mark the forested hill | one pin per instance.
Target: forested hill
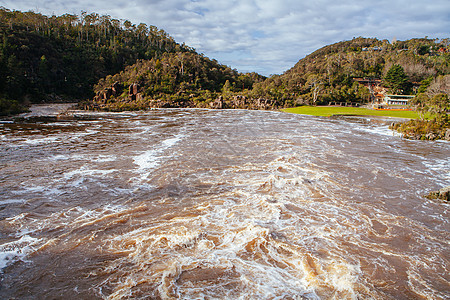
(61, 57)
(327, 75)
(176, 80)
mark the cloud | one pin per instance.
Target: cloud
(264, 35)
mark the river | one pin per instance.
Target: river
(220, 204)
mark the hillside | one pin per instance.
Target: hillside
(327, 75)
(60, 58)
(174, 80)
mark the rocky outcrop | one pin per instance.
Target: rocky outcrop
(431, 136)
(423, 130)
(264, 104)
(133, 92)
(442, 194)
(104, 95)
(447, 134)
(239, 102)
(219, 103)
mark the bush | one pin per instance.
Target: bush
(10, 107)
(423, 129)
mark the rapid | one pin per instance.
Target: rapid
(220, 204)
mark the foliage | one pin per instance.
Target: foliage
(177, 79)
(61, 57)
(424, 84)
(337, 66)
(438, 106)
(397, 80)
(439, 85)
(10, 107)
(435, 108)
(424, 129)
(420, 104)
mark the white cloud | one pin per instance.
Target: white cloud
(264, 35)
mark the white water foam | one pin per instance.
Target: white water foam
(152, 158)
(380, 130)
(17, 250)
(11, 201)
(46, 140)
(81, 174)
(440, 166)
(89, 158)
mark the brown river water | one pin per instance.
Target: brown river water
(220, 204)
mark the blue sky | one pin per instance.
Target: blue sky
(265, 36)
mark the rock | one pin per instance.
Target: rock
(447, 134)
(133, 89)
(442, 194)
(431, 136)
(218, 103)
(115, 88)
(239, 101)
(107, 93)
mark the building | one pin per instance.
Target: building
(397, 99)
(394, 102)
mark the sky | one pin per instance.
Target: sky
(265, 36)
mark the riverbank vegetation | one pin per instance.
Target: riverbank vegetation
(330, 74)
(433, 122)
(179, 79)
(61, 58)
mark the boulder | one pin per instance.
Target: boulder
(442, 194)
(447, 134)
(239, 101)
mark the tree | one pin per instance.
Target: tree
(438, 107)
(423, 49)
(315, 82)
(226, 89)
(397, 80)
(420, 103)
(424, 84)
(440, 85)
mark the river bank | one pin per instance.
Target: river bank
(327, 111)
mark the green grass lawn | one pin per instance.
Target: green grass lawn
(326, 111)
